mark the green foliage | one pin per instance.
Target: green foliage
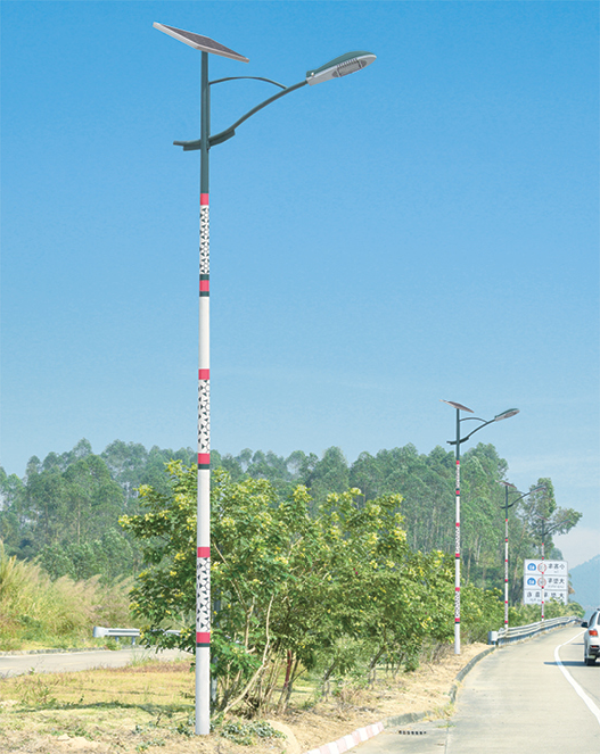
(111, 556)
(523, 615)
(35, 609)
(296, 585)
(64, 507)
(301, 585)
(296, 523)
(481, 611)
(246, 734)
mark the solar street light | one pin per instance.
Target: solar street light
(336, 68)
(549, 525)
(508, 487)
(459, 407)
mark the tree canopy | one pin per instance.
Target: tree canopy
(65, 509)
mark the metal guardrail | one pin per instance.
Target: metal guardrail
(122, 633)
(116, 633)
(506, 636)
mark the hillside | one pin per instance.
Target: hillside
(585, 579)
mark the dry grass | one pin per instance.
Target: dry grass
(150, 706)
(34, 610)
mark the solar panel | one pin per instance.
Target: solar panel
(457, 405)
(198, 42)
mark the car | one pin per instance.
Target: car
(591, 638)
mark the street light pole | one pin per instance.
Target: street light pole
(508, 486)
(337, 68)
(203, 601)
(459, 407)
(546, 530)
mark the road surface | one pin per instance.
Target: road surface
(516, 700)
(71, 661)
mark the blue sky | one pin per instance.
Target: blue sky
(425, 229)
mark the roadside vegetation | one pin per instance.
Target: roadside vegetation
(299, 586)
(64, 512)
(151, 704)
(37, 611)
(318, 566)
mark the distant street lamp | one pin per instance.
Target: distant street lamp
(341, 66)
(546, 530)
(459, 407)
(507, 487)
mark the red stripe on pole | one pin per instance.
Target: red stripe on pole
(204, 458)
(204, 199)
(203, 637)
(457, 589)
(457, 620)
(204, 374)
(204, 552)
(204, 285)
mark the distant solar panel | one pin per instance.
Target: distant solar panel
(457, 405)
(199, 42)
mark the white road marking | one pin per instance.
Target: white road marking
(587, 701)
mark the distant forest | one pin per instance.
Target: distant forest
(64, 513)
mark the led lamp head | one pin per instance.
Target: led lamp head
(506, 414)
(342, 66)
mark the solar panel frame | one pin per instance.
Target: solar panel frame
(199, 42)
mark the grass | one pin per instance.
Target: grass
(36, 612)
(131, 708)
(149, 706)
(145, 684)
(146, 706)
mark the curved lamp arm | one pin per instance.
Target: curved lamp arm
(504, 415)
(553, 527)
(253, 78)
(342, 66)
(525, 494)
(229, 132)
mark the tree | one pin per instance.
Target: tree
(292, 581)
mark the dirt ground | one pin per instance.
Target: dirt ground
(150, 710)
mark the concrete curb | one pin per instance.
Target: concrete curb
(349, 741)
(23, 653)
(468, 667)
(363, 734)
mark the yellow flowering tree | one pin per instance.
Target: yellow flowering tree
(295, 584)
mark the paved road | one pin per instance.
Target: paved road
(515, 701)
(71, 661)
